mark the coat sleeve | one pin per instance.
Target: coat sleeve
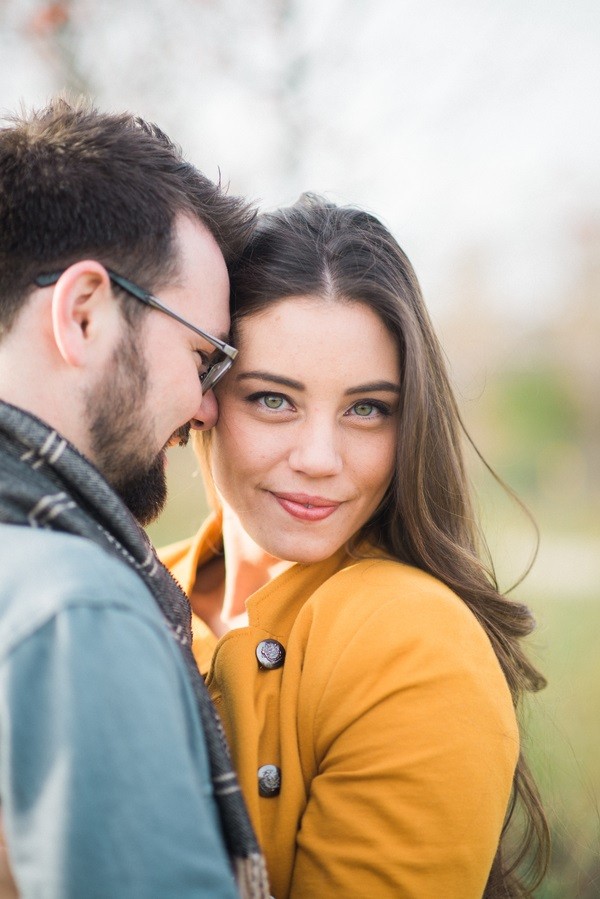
(415, 744)
(105, 788)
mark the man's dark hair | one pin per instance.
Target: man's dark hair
(77, 183)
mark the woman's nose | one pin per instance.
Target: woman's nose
(207, 413)
(315, 450)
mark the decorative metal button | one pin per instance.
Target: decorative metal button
(270, 654)
(269, 781)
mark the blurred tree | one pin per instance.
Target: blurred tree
(536, 422)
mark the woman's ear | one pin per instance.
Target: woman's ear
(79, 296)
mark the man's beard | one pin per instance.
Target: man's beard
(145, 492)
(122, 436)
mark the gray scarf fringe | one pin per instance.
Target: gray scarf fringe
(46, 483)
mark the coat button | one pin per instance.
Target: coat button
(270, 654)
(269, 780)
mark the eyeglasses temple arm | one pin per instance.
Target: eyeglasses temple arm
(152, 301)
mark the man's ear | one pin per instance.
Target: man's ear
(79, 296)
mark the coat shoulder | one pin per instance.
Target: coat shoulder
(391, 593)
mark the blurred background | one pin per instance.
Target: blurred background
(473, 129)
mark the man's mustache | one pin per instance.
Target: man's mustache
(181, 436)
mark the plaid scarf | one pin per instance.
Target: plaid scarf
(46, 483)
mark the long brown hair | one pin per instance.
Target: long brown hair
(426, 518)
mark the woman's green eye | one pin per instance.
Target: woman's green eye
(363, 409)
(273, 402)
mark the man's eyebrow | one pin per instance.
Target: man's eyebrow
(269, 376)
(220, 335)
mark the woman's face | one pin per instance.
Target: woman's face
(304, 449)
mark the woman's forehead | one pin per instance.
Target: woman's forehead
(312, 334)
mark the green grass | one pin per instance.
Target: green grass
(563, 741)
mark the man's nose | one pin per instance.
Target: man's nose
(207, 413)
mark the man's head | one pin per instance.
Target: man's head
(85, 194)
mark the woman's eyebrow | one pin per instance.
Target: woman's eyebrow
(373, 387)
(269, 376)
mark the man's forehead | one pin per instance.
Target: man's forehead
(202, 272)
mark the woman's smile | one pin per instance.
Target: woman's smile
(306, 508)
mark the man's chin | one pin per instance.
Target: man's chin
(146, 494)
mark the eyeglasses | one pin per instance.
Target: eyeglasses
(225, 354)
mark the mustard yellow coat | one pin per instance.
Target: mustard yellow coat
(390, 723)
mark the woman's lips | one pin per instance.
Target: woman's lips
(306, 508)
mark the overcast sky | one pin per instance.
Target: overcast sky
(471, 126)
